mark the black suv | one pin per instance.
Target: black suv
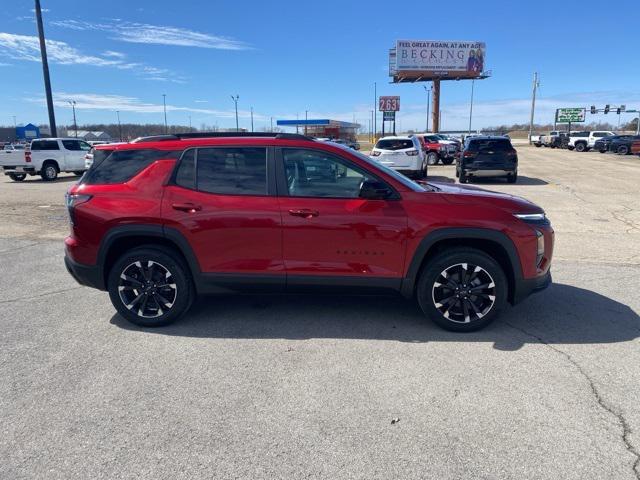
(487, 157)
(622, 144)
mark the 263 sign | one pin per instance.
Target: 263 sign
(389, 104)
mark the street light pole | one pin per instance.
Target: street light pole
(375, 106)
(75, 124)
(235, 100)
(164, 105)
(428, 90)
(252, 119)
(119, 125)
(306, 112)
(536, 84)
(45, 71)
(473, 81)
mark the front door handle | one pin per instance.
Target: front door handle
(304, 213)
(186, 207)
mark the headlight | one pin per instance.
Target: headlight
(535, 218)
(540, 248)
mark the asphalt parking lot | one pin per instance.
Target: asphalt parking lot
(311, 386)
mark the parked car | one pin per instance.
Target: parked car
(436, 149)
(47, 158)
(160, 221)
(622, 144)
(403, 154)
(489, 156)
(551, 140)
(602, 144)
(94, 155)
(586, 140)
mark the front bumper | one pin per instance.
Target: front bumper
(527, 286)
(87, 275)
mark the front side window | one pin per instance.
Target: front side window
(72, 145)
(312, 173)
(232, 170)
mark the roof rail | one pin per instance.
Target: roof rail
(183, 136)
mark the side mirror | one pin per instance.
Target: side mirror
(375, 190)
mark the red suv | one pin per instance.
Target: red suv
(160, 220)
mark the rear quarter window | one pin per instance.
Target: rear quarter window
(120, 166)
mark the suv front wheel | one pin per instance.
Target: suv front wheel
(150, 286)
(462, 289)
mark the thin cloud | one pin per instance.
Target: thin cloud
(156, 34)
(26, 47)
(93, 101)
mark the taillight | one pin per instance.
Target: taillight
(375, 153)
(468, 154)
(511, 153)
(72, 200)
(412, 153)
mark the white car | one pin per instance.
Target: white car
(47, 157)
(403, 154)
(584, 141)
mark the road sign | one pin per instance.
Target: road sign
(389, 116)
(571, 115)
(389, 104)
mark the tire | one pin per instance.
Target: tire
(423, 172)
(512, 178)
(17, 177)
(78, 173)
(457, 173)
(466, 312)
(622, 150)
(602, 151)
(432, 158)
(49, 171)
(538, 145)
(581, 147)
(161, 265)
(447, 161)
(570, 148)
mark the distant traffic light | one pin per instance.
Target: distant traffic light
(618, 110)
(593, 109)
(606, 109)
(623, 108)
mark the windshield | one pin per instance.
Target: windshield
(394, 144)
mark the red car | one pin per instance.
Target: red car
(162, 219)
(436, 149)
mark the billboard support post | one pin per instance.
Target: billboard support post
(435, 121)
(45, 71)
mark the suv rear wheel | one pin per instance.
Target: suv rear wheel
(150, 286)
(581, 147)
(623, 150)
(432, 158)
(462, 289)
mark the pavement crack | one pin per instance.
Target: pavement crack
(31, 297)
(622, 421)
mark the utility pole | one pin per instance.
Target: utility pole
(471, 108)
(119, 125)
(375, 106)
(428, 90)
(45, 72)
(235, 100)
(252, 119)
(306, 117)
(164, 104)
(272, 124)
(189, 123)
(436, 105)
(75, 124)
(536, 84)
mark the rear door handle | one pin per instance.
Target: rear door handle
(304, 213)
(186, 207)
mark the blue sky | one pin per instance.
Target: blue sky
(284, 57)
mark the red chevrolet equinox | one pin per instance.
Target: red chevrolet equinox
(157, 221)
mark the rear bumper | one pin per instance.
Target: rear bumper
(87, 275)
(494, 172)
(9, 169)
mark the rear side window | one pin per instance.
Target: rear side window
(492, 145)
(232, 171)
(44, 145)
(122, 165)
(397, 144)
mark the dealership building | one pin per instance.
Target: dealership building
(323, 128)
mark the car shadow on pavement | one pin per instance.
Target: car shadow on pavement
(522, 181)
(562, 314)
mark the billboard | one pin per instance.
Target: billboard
(429, 59)
(571, 115)
(389, 104)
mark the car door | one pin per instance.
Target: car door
(329, 230)
(222, 201)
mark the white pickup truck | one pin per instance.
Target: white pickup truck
(47, 157)
(584, 141)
